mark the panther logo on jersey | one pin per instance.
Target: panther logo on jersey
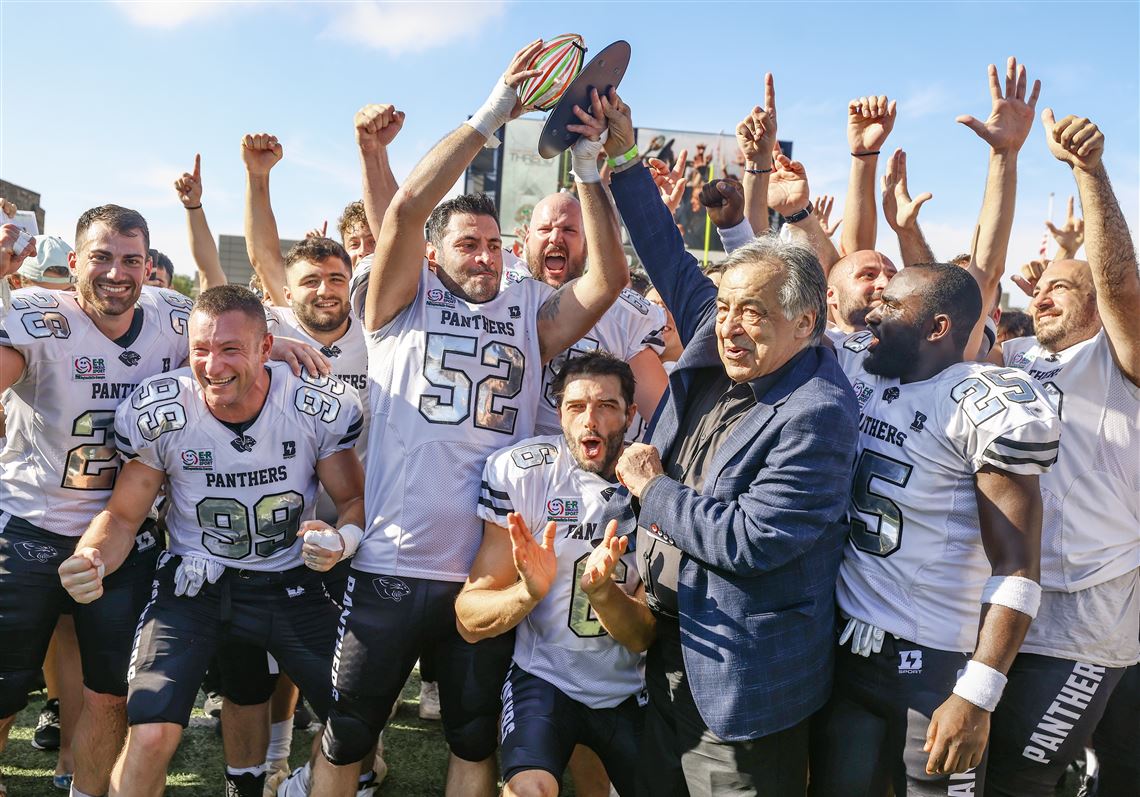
(330, 351)
(34, 552)
(130, 358)
(890, 394)
(243, 443)
(391, 589)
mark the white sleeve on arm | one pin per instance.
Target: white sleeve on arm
(735, 237)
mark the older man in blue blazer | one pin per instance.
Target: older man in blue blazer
(738, 507)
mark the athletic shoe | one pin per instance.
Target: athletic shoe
(429, 700)
(297, 784)
(213, 705)
(367, 787)
(46, 736)
(244, 785)
(1089, 786)
(275, 774)
(62, 782)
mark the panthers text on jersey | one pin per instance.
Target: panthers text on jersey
(60, 463)
(452, 382)
(348, 355)
(628, 328)
(914, 564)
(239, 499)
(561, 640)
(1090, 531)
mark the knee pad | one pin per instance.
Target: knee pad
(14, 688)
(474, 739)
(354, 723)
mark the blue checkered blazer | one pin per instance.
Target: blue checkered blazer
(762, 541)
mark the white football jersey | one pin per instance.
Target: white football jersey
(60, 463)
(914, 563)
(348, 355)
(561, 640)
(1090, 531)
(239, 499)
(628, 328)
(452, 382)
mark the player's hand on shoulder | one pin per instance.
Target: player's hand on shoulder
(82, 575)
(323, 546)
(298, 354)
(956, 736)
(603, 559)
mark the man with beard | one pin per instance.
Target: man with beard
(458, 366)
(70, 359)
(631, 329)
(950, 453)
(1087, 356)
(855, 285)
(541, 503)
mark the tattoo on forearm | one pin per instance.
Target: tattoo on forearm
(549, 309)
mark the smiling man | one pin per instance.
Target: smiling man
(575, 679)
(740, 502)
(70, 359)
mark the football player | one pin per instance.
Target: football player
(457, 366)
(70, 359)
(1087, 357)
(555, 251)
(541, 500)
(241, 445)
(945, 519)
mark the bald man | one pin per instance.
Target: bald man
(855, 286)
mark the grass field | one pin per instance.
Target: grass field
(414, 750)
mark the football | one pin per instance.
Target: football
(560, 60)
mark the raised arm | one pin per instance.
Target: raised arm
(1009, 509)
(111, 534)
(511, 573)
(260, 153)
(202, 246)
(1070, 236)
(1108, 245)
(901, 212)
(1008, 125)
(788, 195)
(400, 239)
(756, 135)
(869, 122)
(376, 127)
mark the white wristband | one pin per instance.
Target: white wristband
(494, 113)
(1016, 592)
(351, 534)
(981, 684)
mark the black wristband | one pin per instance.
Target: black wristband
(192, 207)
(758, 171)
(864, 154)
(800, 216)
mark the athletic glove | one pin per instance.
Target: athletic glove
(865, 638)
(192, 572)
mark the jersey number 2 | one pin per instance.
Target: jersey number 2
(583, 622)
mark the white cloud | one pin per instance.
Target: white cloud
(169, 14)
(400, 28)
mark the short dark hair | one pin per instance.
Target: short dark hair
(639, 281)
(221, 299)
(122, 220)
(315, 250)
(1015, 324)
(955, 292)
(353, 214)
(163, 262)
(594, 363)
(475, 204)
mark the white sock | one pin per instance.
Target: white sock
(238, 771)
(77, 793)
(1092, 763)
(280, 740)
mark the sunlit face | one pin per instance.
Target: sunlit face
(594, 419)
(673, 345)
(1064, 305)
(469, 260)
(227, 356)
(555, 241)
(855, 285)
(752, 334)
(898, 327)
(318, 293)
(110, 267)
(358, 242)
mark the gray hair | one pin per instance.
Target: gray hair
(804, 289)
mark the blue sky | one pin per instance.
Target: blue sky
(108, 102)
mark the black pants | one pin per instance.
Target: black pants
(681, 756)
(1117, 739)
